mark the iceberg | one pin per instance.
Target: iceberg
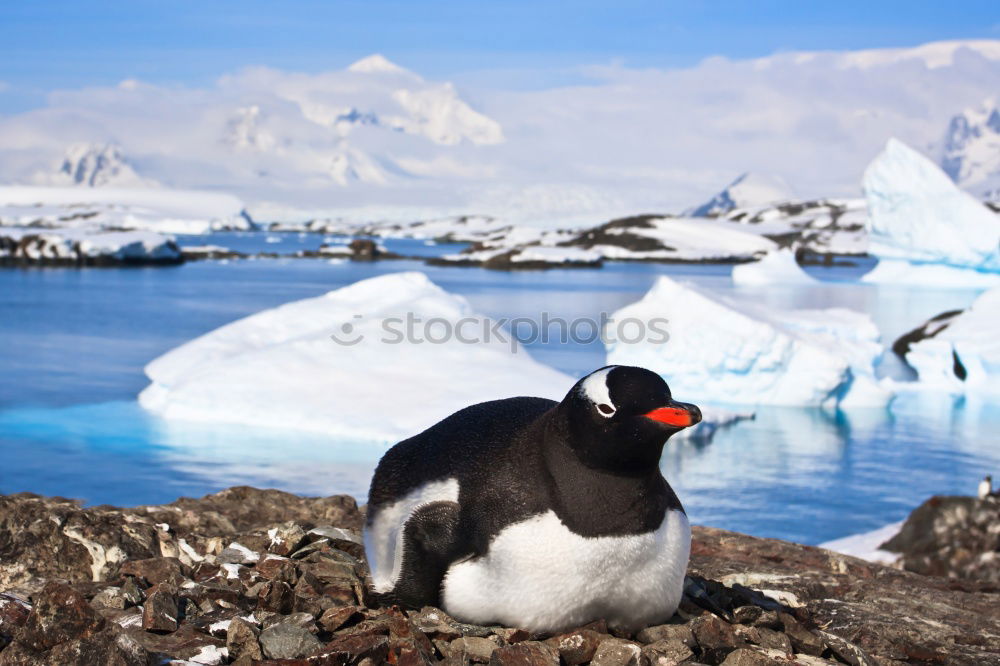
(958, 352)
(916, 214)
(281, 367)
(774, 267)
(894, 271)
(723, 351)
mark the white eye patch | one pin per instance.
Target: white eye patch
(595, 388)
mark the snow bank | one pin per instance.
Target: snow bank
(727, 352)
(866, 545)
(917, 214)
(280, 367)
(779, 267)
(161, 210)
(968, 344)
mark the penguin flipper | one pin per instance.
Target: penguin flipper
(430, 545)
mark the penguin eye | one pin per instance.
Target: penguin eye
(606, 409)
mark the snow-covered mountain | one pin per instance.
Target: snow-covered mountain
(376, 141)
(970, 149)
(749, 190)
(93, 165)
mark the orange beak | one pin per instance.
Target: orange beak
(678, 415)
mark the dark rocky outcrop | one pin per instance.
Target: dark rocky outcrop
(510, 260)
(930, 328)
(50, 248)
(359, 249)
(263, 577)
(957, 537)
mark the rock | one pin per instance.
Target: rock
(577, 647)
(667, 632)
(160, 612)
(957, 537)
(132, 593)
(241, 640)
(13, 614)
(55, 538)
(110, 598)
(765, 637)
(276, 597)
(242, 508)
(802, 639)
(155, 570)
(335, 534)
(617, 652)
(333, 619)
(237, 553)
(278, 569)
(59, 614)
(287, 640)
(108, 646)
(666, 653)
(528, 653)
(477, 650)
(747, 614)
(186, 643)
(434, 622)
(355, 650)
(756, 657)
(716, 638)
(885, 613)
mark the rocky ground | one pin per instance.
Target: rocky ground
(264, 577)
(957, 537)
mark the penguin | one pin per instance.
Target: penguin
(986, 487)
(537, 514)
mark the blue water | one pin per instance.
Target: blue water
(290, 242)
(73, 344)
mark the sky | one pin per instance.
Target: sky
(519, 44)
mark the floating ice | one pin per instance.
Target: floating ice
(779, 267)
(281, 368)
(917, 214)
(961, 354)
(727, 352)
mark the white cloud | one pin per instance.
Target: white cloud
(631, 139)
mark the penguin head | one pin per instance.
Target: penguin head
(620, 417)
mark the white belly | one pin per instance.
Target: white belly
(539, 575)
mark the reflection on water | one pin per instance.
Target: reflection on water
(117, 453)
(811, 476)
(801, 474)
(73, 343)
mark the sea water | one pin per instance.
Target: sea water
(73, 343)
